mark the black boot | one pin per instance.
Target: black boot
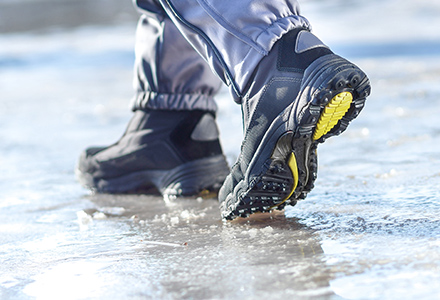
(300, 95)
(175, 152)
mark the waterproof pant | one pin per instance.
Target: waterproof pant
(185, 49)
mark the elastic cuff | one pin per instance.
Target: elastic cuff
(159, 101)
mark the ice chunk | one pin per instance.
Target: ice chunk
(84, 220)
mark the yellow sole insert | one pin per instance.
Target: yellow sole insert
(291, 162)
(333, 112)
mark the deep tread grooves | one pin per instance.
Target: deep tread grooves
(271, 191)
(358, 85)
(276, 183)
(274, 186)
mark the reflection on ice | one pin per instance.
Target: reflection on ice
(200, 256)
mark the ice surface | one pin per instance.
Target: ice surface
(369, 230)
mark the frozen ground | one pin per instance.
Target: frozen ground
(369, 230)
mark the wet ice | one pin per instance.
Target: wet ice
(369, 230)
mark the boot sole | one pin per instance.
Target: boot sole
(338, 98)
(194, 178)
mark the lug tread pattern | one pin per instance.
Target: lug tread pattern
(327, 113)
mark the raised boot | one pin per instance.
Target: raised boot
(300, 94)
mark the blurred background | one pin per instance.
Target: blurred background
(33, 15)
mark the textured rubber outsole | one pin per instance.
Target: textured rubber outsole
(328, 114)
(338, 98)
(332, 114)
(189, 179)
(276, 185)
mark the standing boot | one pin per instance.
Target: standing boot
(175, 152)
(172, 143)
